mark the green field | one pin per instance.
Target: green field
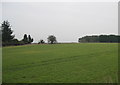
(61, 63)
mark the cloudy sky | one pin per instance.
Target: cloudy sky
(66, 20)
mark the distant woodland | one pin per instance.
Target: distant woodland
(100, 38)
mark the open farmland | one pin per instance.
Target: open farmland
(61, 63)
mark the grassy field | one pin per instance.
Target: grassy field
(61, 63)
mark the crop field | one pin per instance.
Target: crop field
(61, 63)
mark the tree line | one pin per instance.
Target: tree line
(100, 38)
(9, 39)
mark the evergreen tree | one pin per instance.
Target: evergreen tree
(6, 32)
(25, 39)
(29, 39)
(32, 40)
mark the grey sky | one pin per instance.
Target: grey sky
(66, 20)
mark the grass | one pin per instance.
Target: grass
(61, 63)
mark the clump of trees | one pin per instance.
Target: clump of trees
(100, 38)
(9, 39)
(27, 39)
(52, 39)
(41, 42)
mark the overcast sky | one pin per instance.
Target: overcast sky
(66, 20)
